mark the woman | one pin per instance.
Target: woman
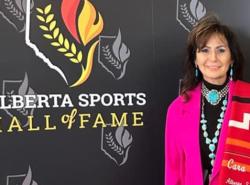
(197, 120)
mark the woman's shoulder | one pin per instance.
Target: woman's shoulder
(241, 88)
(242, 83)
(180, 103)
(176, 104)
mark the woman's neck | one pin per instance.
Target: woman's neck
(210, 85)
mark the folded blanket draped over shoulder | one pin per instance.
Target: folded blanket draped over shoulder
(236, 158)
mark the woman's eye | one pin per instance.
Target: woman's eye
(204, 50)
(221, 50)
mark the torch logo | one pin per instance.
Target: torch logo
(22, 88)
(14, 11)
(116, 144)
(69, 52)
(189, 12)
(21, 179)
(113, 55)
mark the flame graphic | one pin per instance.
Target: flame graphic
(21, 4)
(198, 10)
(87, 29)
(86, 72)
(68, 11)
(123, 137)
(83, 29)
(28, 179)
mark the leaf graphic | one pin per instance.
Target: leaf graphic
(66, 43)
(49, 18)
(79, 56)
(74, 60)
(56, 33)
(47, 9)
(52, 25)
(40, 10)
(73, 48)
(52, 32)
(55, 44)
(69, 55)
(44, 28)
(60, 39)
(62, 50)
(48, 36)
(40, 18)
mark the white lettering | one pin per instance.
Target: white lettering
(234, 166)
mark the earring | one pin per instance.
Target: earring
(196, 72)
(231, 72)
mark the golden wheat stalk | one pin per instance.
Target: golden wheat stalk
(53, 33)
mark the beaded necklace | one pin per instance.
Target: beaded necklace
(211, 142)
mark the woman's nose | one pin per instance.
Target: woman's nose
(213, 56)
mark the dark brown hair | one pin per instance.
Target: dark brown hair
(197, 39)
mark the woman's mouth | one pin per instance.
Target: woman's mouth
(213, 67)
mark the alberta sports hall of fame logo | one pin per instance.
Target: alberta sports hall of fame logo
(74, 35)
(189, 12)
(21, 179)
(60, 33)
(68, 36)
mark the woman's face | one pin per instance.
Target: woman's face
(214, 59)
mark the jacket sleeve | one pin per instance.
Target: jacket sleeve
(173, 157)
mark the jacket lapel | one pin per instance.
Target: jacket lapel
(223, 134)
(192, 110)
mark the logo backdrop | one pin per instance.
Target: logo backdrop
(85, 85)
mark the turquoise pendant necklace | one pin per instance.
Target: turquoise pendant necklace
(213, 96)
(211, 142)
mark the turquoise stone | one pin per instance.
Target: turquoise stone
(223, 108)
(208, 141)
(212, 147)
(213, 96)
(211, 156)
(217, 133)
(203, 121)
(220, 120)
(204, 127)
(224, 102)
(205, 134)
(215, 140)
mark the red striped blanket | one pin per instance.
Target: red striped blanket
(236, 158)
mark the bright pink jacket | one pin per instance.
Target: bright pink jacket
(182, 148)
